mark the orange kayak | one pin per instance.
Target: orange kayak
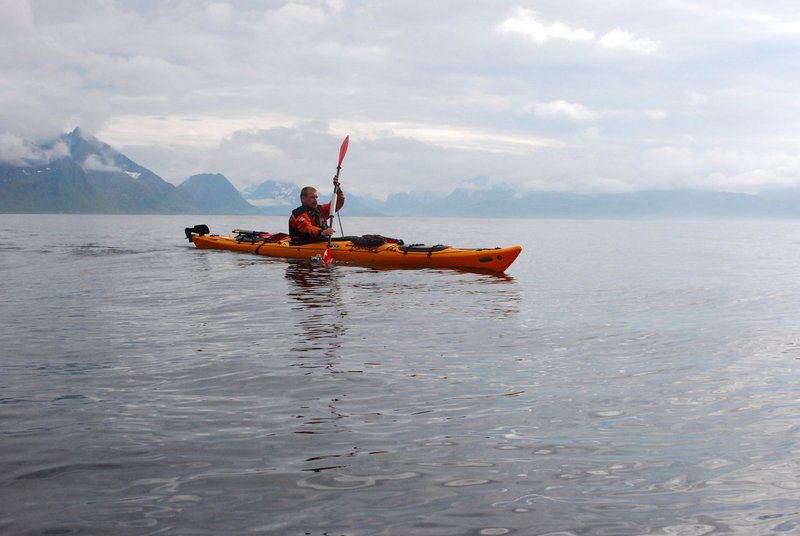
(371, 250)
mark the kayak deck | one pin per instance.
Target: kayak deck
(360, 250)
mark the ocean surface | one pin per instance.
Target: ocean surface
(622, 378)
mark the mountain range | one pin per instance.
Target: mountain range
(85, 175)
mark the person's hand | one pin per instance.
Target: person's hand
(327, 232)
(335, 182)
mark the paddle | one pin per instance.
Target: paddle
(327, 257)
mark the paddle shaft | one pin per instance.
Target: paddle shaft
(335, 196)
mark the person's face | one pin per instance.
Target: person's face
(310, 199)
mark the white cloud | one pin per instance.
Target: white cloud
(787, 27)
(592, 133)
(696, 99)
(657, 114)
(721, 168)
(561, 108)
(18, 151)
(769, 17)
(464, 139)
(97, 163)
(619, 38)
(526, 22)
(296, 16)
(202, 131)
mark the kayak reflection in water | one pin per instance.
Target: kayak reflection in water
(308, 222)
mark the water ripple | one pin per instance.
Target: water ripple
(166, 390)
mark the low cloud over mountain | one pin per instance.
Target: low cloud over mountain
(77, 173)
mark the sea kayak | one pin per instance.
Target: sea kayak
(373, 250)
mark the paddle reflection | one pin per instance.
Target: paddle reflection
(316, 352)
(320, 318)
(314, 285)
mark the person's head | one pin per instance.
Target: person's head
(308, 196)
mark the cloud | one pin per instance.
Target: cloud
(527, 23)
(619, 38)
(98, 163)
(696, 99)
(768, 18)
(561, 108)
(720, 168)
(383, 158)
(17, 17)
(218, 12)
(454, 138)
(296, 16)
(571, 96)
(17, 151)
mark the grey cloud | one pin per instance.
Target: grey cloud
(17, 151)
(402, 77)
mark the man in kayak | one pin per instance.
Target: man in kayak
(309, 221)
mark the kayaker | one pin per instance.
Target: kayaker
(309, 221)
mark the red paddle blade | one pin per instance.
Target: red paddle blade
(343, 150)
(327, 257)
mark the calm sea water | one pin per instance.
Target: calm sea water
(623, 378)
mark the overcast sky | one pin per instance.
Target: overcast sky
(581, 96)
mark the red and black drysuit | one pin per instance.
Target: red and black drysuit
(306, 224)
